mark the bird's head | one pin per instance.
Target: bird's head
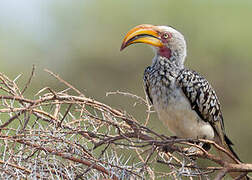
(167, 41)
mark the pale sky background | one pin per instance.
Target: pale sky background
(29, 17)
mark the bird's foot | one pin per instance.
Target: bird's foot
(193, 151)
(206, 146)
(167, 148)
(174, 137)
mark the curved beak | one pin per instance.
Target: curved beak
(144, 33)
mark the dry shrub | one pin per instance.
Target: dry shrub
(65, 135)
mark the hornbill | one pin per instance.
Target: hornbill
(183, 99)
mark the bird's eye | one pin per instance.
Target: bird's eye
(165, 35)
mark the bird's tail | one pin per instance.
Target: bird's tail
(227, 144)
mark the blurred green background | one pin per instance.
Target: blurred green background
(80, 40)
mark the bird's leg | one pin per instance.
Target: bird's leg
(174, 137)
(206, 146)
(167, 148)
(191, 151)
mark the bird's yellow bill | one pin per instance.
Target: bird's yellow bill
(142, 34)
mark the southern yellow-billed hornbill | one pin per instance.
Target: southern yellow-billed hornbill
(184, 100)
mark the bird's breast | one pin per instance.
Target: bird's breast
(175, 111)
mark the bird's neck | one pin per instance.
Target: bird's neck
(161, 62)
(173, 58)
(165, 52)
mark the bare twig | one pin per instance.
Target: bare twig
(221, 174)
(64, 82)
(11, 119)
(29, 80)
(59, 135)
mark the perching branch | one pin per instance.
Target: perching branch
(56, 134)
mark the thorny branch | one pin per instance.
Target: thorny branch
(65, 136)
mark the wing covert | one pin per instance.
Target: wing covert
(202, 96)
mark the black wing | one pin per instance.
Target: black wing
(202, 97)
(204, 101)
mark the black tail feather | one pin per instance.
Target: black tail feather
(229, 143)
